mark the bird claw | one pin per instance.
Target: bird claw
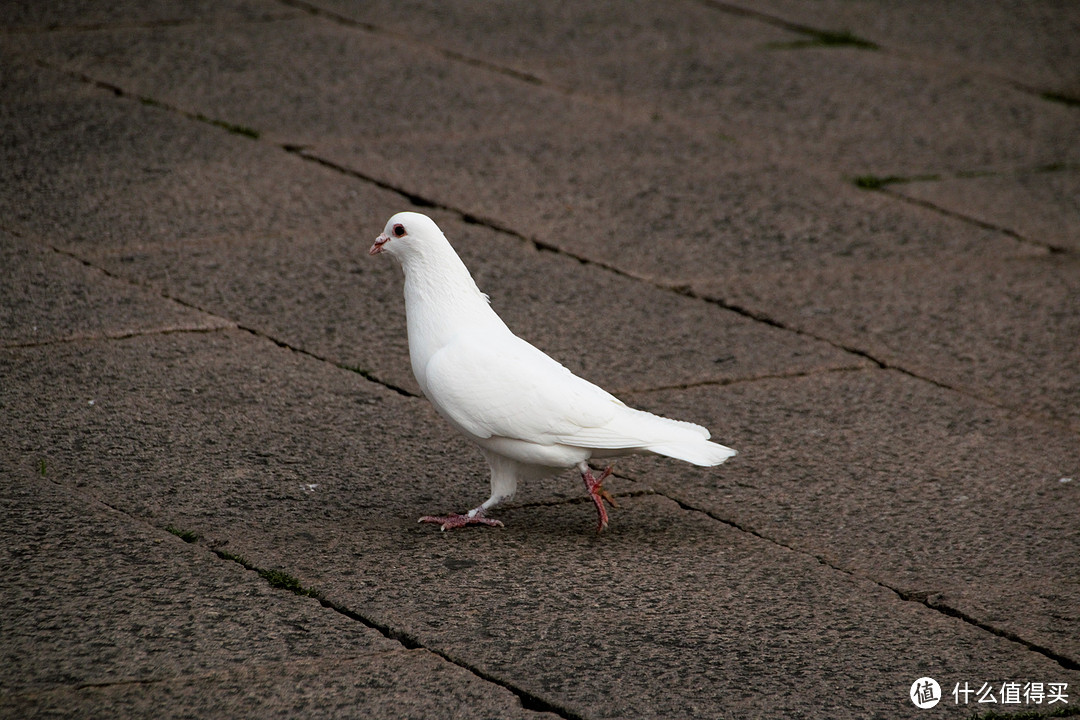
(454, 520)
(598, 494)
(607, 497)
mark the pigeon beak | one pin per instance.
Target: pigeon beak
(378, 246)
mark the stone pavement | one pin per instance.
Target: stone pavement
(843, 235)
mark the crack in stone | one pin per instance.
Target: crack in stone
(921, 597)
(163, 23)
(409, 641)
(116, 335)
(468, 217)
(529, 700)
(724, 382)
(317, 11)
(985, 225)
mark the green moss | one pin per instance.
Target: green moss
(877, 182)
(843, 38)
(363, 372)
(278, 579)
(238, 559)
(825, 38)
(284, 581)
(185, 535)
(359, 370)
(1059, 98)
(873, 182)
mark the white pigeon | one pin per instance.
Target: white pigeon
(530, 416)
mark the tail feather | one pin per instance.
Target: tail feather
(678, 439)
(699, 452)
(637, 430)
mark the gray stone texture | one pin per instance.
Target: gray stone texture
(108, 616)
(842, 235)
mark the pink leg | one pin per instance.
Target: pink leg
(595, 486)
(453, 520)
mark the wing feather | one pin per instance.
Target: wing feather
(503, 386)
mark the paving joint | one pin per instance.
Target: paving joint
(528, 700)
(725, 382)
(122, 335)
(886, 365)
(317, 11)
(422, 202)
(958, 369)
(474, 219)
(227, 323)
(848, 40)
(826, 37)
(1050, 248)
(922, 598)
(143, 25)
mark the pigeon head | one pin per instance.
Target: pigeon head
(408, 234)
(432, 268)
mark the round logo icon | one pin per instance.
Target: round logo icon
(925, 692)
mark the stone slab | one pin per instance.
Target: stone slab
(107, 616)
(653, 222)
(279, 244)
(360, 444)
(716, 163)
(672, 613)
(47, 296)
(409, 684)
(1040, 206)
(1007, 330)
(940, 496)
(673, 218)
(88, 14)
(846, 108)
(858, 111)
(89, 171)
(1033, 43)
(452, 172)
(798, 215)
(441, 171)
(327, 296)
(560, 170)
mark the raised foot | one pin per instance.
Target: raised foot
(454, 520)
(595, 486)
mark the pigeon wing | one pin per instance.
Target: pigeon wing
(502, 386)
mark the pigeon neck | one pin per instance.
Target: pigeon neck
(441, 301)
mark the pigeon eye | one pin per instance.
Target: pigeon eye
(399, 230)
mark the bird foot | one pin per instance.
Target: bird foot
(595, 486)
(454, 520)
